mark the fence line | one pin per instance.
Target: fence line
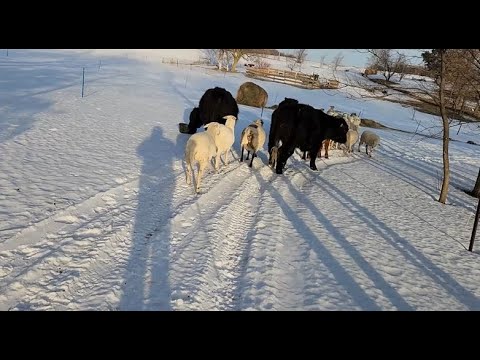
(298, 79)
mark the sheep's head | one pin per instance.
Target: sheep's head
(230, 121)
(259, 122)
(213, 128)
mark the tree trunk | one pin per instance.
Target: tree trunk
(476, 189)
(446, 135)
(388, 75)
(220, 59)
(236, 59)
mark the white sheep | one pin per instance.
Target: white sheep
(331, 111)
(223, 136)
(253, 139)
(352, 138)
(200, 149)
(369, 138)
(353, 121)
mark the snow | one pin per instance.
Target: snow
(95, 213)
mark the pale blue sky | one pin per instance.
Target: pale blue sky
(352, 57)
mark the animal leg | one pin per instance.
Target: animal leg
(217, 161)
(314, 150)
(201, 168)
(226, 157)
(283, 154)
(251, 162)
(327, 145)
(188, 174)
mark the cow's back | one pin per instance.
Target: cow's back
(215, 104)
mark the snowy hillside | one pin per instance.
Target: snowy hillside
(95, 213)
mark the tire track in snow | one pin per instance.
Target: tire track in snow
(283, 271)
(41, 274)
(70, 219)
(96, 234)
(206, 263)
(269, 280)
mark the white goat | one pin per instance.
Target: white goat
(369, 138)
(352, 138)
(200, 149)
(224, 137)
(353, 121)
(331, 111)
(253, 139)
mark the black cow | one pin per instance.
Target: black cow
(286, 101)
(302, 126)
(214, 104)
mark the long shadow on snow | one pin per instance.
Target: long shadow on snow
(357, 294)
(404, 247)
(390, 293)
(415, 181)
(146, 283)
(434, 170)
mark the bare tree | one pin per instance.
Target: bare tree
(389, 61)
(446, 129)
(402, 68)
(456, 74)
(236, 55)
(300, 57)
(260, 62)
(322, 60)
(291, 63)
(337, 61)
(210, 56)
(296, 58)
(214, 57)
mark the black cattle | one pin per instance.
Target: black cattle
(302, 126)
(214, 104)
(286, 101)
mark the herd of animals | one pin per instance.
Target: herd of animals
(293, 125)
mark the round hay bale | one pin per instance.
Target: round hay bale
(371, 124)
(370, 71)
(251, 94)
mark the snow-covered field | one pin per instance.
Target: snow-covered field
(95, 213)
